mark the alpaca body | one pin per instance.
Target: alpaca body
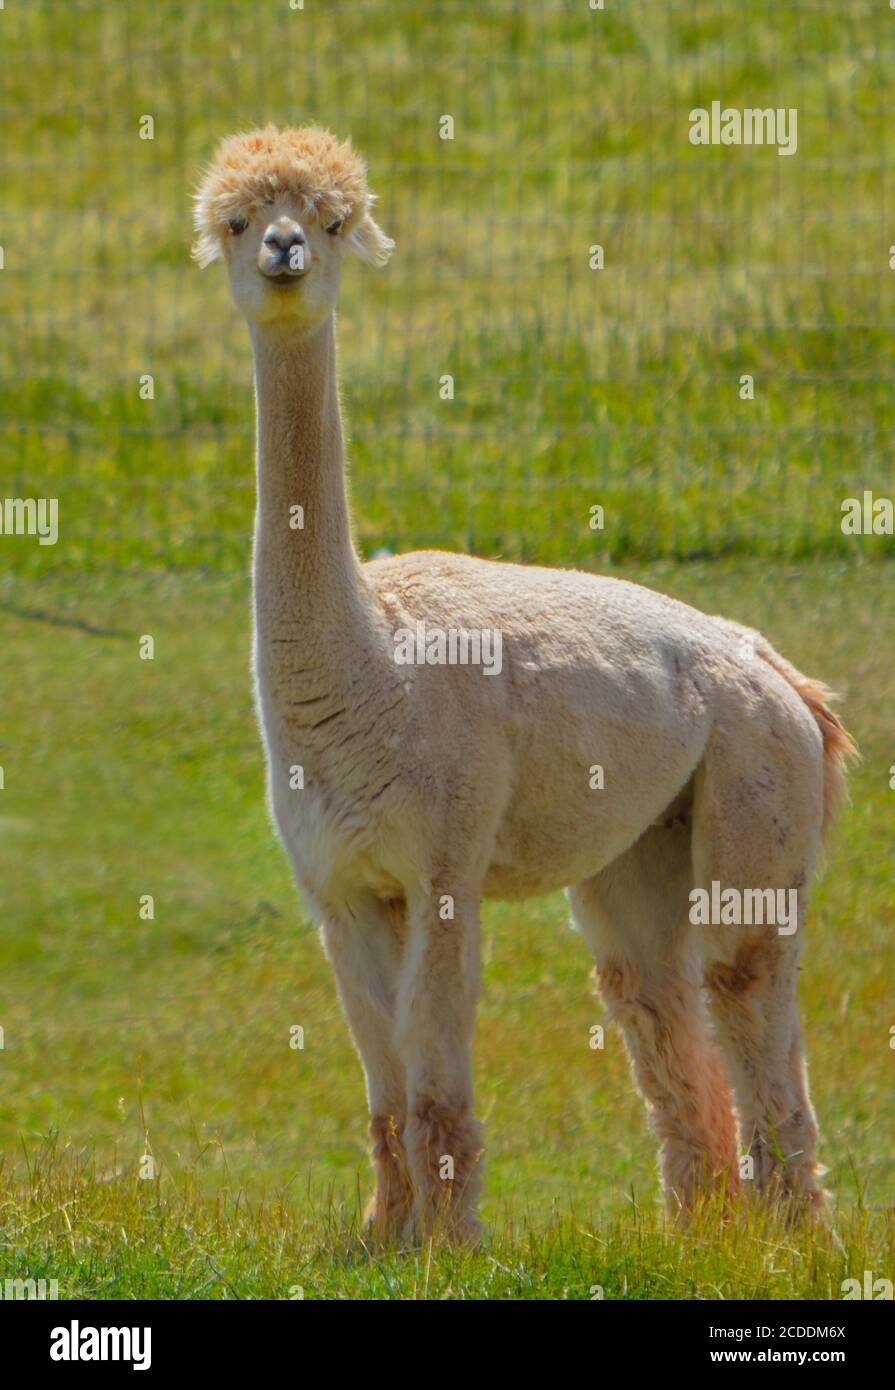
(596, 672)
(405, 793)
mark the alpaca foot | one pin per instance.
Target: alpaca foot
(445, 1152)
(445, 1225)
(806, 1208)
(693, 1178)
(786, 1177)
(388, 1214)
(387, 1225)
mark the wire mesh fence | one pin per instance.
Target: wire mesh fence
(585, 309)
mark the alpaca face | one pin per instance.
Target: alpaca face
(285, 265)
(282, 207)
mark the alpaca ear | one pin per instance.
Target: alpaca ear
(206, 249)
(369, 242)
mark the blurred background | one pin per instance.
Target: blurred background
(573, 387)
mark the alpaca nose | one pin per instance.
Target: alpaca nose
(283, 249)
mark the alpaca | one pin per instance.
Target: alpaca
(430, 784)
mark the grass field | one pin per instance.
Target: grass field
(171, 1037)
(124, 1037)
(572, 386)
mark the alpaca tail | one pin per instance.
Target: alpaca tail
(839, 746)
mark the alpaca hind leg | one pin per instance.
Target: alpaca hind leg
(757, 829)
(365, 949)
(634, 916)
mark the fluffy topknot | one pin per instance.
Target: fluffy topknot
(309, 164)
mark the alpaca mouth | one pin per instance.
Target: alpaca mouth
(284, 276)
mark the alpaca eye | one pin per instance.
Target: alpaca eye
(238, 225)
(335, 227)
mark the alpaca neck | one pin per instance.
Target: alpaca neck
(308, 586)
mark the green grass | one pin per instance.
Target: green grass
(132, 1239)
(126, 777)
(619, 387)
(573, 387)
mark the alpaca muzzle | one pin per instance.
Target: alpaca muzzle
(284, 251)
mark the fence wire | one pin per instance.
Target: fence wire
(695, 337)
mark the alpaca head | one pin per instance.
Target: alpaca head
(282, 207)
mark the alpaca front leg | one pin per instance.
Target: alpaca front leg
(365, 953)
(436, 1018)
